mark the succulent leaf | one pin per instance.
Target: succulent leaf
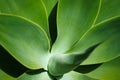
(25, 41)
(33, 10)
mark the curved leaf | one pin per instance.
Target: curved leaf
(108, 71)
(75, 76)
(9, 65)
(109, 9)
(99, 34)
(24, 40)
(60, 64)
(4, 76)
(49, 4)
(63, 63)
(53, 24)
(73, 20)
(108, 50)
(35, 75)
(30, 9)
(86, 68)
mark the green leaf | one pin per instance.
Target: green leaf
(63, 63)
(35, 75)
(24, 40)
(108, 50)
(4, 76)
(108, 71)
(30, 9)
(49, 4)
(9, 65)
(86, 68)
(103, 33)
(75, 76)
(74, 18)
(60, 64)
(109, 9)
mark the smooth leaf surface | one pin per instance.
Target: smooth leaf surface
(73, 20)
(34, 75)
(108, 71)
(63, 63)
(109, 9)
(25, 41)
(49, 4)
(75, 76)
(4, 76)
(60, 64)
(30, 9)
(106, 51)
(104, 34)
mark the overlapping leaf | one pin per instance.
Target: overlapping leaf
(9, 65)
(75, 76)
(105, 34)
(49, 4)
(30, 9)
(106, 26)
(108, 71)
(109, 9)
(24, 40)
(74, 18)
(60, 64)
(35, 75)
(63, 63)
(4, 76)
(86, 68)
(81, 24)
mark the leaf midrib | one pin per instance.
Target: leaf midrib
(94, 25)
(100, 3)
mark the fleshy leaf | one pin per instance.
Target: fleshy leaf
(49, 4)
(30, 9)
(73, 20)
(4, 76)
(35, 75)
(9, 65)
(109, 9)
(60, 64)
(24, 40)
(108, 50)
(86, 68)
(75, 76)
(103, 33)
(108, 71)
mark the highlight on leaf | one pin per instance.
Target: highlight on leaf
(59, 39)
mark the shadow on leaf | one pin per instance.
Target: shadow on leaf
(9, 65)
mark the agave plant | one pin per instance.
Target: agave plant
(59, 40)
